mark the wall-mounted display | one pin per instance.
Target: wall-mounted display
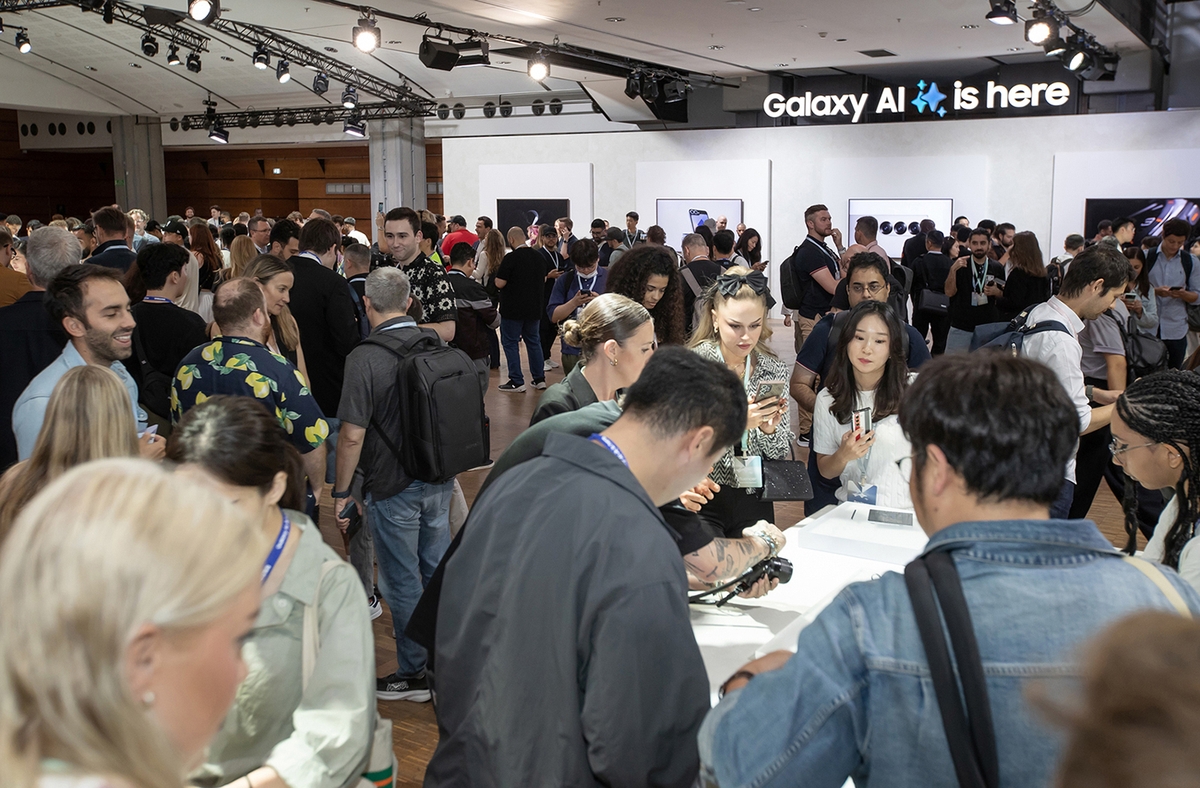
(899, 220)
(1147, 213)
(680, 217)
(526, 213)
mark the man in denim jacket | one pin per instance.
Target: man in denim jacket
(991, 435)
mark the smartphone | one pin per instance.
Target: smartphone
(381, 207)
(1180, 287)
(697, 216)
(771, 388)
(586, 293)
(860, 421)
(1130, 296)
(350, 512)
(889, 518)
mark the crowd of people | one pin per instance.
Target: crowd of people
(180, 398)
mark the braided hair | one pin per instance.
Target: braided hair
(1165, 408)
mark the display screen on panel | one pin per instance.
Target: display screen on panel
(900, 219)
(680, 217)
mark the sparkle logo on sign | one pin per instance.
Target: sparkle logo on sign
(929, 97)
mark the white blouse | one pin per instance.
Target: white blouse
(1189, 559)
(878, 467)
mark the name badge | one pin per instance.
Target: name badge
(747, 472)
(861, 494)
(978, 299)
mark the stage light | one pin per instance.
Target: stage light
(649, 88)
(633, 85)
(355, 127)
(556, 106)
(186, 123)
(459, 111)
(481, 59)
(173, 55)
(349, 97)
(22, 42)
(539, 69)
(538, 107)
(674, 90)
(283, 72)
(321, 83)
(262, 57)
(204, 11)
(440, 55)
(218, 134)
(107, 12)
(506, 108)
(1041, 28)
(1076, 56)
(1054, 46)
(443, 111)
(193, 62)
(366, 35)
(1004, 12)
(489, 109)
(149, 45)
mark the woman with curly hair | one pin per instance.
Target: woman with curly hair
(648, 275)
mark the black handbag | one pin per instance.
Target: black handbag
(785, 480)
(933, 304)
(966, 715)
(1144, 354)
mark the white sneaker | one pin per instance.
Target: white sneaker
(551, 364)
(374, 606)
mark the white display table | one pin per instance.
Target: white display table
(829, 551)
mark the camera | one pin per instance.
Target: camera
(774, 568)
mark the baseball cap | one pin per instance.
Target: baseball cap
(176, 227)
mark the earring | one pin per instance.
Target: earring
(612, 361)
(148, 698)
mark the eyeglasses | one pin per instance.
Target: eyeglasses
(1118, 449)
(905, 465)
(874, 287)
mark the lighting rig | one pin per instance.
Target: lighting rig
(1053, 29)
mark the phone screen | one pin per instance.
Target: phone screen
(771, 388)
(698, 217)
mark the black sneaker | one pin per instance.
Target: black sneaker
(515, 387)
(540, 384)
(397, 687)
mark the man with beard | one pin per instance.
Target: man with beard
(90, 303)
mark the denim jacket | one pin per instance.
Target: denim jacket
(857, 700)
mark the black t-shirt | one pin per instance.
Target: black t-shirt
(524, 272)
(963, 316)
(167, 333)
(812, 256)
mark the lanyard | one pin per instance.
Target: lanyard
(607, 443)
(977, 281)
(556, 258)
(157, 300)
(746, 386)
(285, 530)
(823, 248)
(590, 283)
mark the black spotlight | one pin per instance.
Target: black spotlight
(186, 123)
(261, 57)
(278, 120)
(1004, 12)
(283, 72)
(291, 118)
(1076, 56)
(366, 35)
(489, 109)
(443, 112)
(149, 45)
(193, 62)
(218, 134)
(174, 124)
(460, 111)
(1041, 28)
(440, 55)
(650, 88)
(320, 83)
(22, 42)
(254, 120)
(173, 55)
(349, 97)
(505, 108)
(633, 85)
(204, 11)
(556, 106)
(355, 127)
(674, 90)
(241, 121)
(538, 107)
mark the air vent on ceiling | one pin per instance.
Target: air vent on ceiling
(876, 53)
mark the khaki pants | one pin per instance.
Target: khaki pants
(802, 327)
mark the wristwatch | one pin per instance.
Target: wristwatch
(342, 494)
(741, 674)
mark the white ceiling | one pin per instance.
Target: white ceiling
(678, 33)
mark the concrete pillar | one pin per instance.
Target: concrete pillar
(138, 168)
(397, 152)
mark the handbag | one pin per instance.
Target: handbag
(933, 304)
(380, 771)
(1145, 354)
(785, 480)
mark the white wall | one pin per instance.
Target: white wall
(1003, 169)
(530, 181)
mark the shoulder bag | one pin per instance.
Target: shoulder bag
(785, 480)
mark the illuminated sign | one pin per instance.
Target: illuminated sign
(891, 103)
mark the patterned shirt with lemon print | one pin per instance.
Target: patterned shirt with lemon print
(242, 367)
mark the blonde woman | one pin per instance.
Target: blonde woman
(733, 330)
(88, 418)
(491, 253)
(241, 252)
(127, 594)
(276, 277)
(615, 337)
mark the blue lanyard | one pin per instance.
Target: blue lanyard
(285, 530)
(157, 299)
(607, 443)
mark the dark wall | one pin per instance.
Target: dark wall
(39, 184)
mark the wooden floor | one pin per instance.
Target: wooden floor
(415, 729)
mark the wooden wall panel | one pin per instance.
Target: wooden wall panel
(39, 184)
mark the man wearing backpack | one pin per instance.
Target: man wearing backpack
(855, 699)
(409, 518)
(815, 272)
(1096, 277)
(1175, 277)
(698, 273)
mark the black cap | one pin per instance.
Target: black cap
(176, 227)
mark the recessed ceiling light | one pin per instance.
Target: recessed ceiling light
(395, 42)
(135, 65)
(614, 19)
(716, 47)
(503, 62)
(736, 2)
(1014, 49)
(782, 65)
(331, 49)
(90, 68)
(227, 58)
(970, 27)
(755, 8)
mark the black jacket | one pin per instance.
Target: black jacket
(324, 311)
(477, 316)
(113, 254)
(29, 341)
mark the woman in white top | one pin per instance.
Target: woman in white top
(1155, 426)
(127, 594)
(868, 373)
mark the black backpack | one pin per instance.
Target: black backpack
(1144, 354)
(790, 287)
(444, 430)
(1010, 337)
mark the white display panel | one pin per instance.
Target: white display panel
(680, 217)
(899, 219)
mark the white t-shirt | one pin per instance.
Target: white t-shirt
(1189, 559)
(878, 467)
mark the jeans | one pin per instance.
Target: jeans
(511, 334)
(939, 326)
(1062, 505)
(958, 341)
(411, 531)
(1176, 352)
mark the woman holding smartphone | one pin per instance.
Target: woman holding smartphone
(733, 330)
(1138, 296)
(856, 433)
